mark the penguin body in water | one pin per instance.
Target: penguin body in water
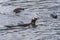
(33, 21)
(54, 16)
(17, 10)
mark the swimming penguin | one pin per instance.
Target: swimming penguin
(54, 16)
(33, 21)
(17, 10)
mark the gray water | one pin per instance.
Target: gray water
(49, 30)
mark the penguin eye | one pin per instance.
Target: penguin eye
(35, 18)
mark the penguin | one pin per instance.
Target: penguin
(18, 10)
(33, 24)
(54, 16)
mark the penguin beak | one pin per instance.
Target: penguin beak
(38, 18)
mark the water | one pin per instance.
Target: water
(47, 29)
